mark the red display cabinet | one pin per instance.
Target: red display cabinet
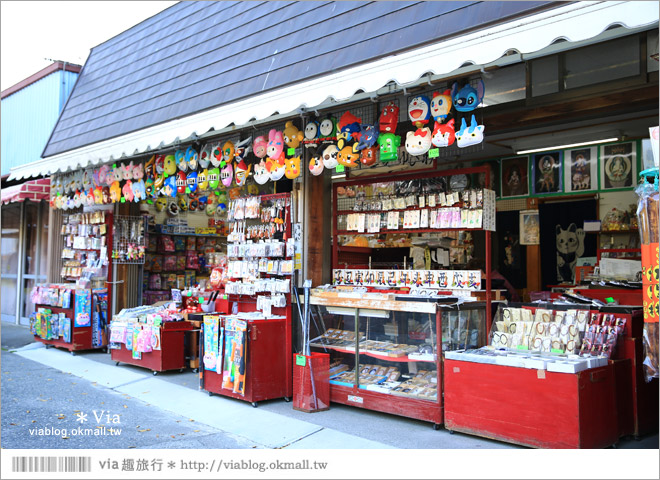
(530, 407)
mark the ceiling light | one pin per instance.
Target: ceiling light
(570, 145)
(341, 175)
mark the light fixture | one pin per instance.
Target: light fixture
(364, 312)
(341, 175)
(569, 145)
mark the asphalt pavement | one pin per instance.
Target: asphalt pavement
(45, 392)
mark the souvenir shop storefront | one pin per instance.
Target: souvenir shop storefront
(385, 252)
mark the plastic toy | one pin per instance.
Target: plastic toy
(216, 156)
(327, 130)
(292, 136)
(86, 180)
(241, 172)
(443, 134)
(90, 197)
(329, 156)
(260, 147)
(441, 105)
(205, 156)
(115, 192)
(117, 173)
(388, 144)
(106, 195)
(169, 187)
(228, 151)
(311, 133)
(169, 165)
(172, 211)
(227, 175)
(203, 179)
(180, 182)
(159, 165)
(389, 118)
(214, 178)
(316, 166)
(211, 203)
(127, 170)
(471, 135)
(368, 137)
(419, 141)
(276, 168)
(292, 167)
(369, 156)
(180, 159)
(191, 181)
(127, 190)
(347, 157)
(419, 110)
(275, 146)
(467, 98)
(191, 158)
(261, 174)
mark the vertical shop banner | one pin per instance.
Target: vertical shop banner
(83, 310)
(212, 343)
(235, 356)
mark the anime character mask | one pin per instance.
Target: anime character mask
(161, 203)
(275, 169)
(191, 181)
(443, 134)
(311, 131)
(418, 142)
(216, 156)
(169, 187)
(419, 110)
(275, 145)
(441, 105)
(316, 166)
(389, 143)
(260, 147)
(180, 182)
(127, 190)
(369, 156)
(241, 172)
(329, 156)
(292, 136)
(169, 165)
(227, 175)
(368, 136)
(191, 158)
(292, 167)
(467, 98)
(115, 192)
(389, 118)
(214, 178)
(138, 172)
(347, 157)
(205, 156)
(328, 129)
(203, 179)
(180, 159)
(261, 174)
(472, 135)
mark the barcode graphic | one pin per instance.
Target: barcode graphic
(51, 464)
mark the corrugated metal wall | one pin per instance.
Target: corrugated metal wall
(28, 117)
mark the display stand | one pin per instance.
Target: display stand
(532, 407)
(171, 355)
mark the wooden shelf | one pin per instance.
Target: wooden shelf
(386, 358)
(408, 230)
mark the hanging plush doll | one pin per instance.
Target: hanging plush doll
(472, 135)
(441, 106)
(389, 144)
(467, 98)
(419, 110)
(292, 136)
(180, 182)
(228, 151)
(191, 158)
(227, 175)
(214, 178)
(169, 165)
(292, 167)
(261, 174)
(205, 156)
(369, 156)
(443, 134)
(241, 172)
(418, 142)
(316, 166)
(389, 118)
(328, 130)
(260, 147)
(191, 181)
(329, 156)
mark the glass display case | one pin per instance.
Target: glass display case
(385, 351)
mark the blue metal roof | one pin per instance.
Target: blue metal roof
(198, 55)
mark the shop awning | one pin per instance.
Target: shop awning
(575, 22)
(35, 190)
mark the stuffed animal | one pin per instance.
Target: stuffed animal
(441, 106)
(369, 156)
(316, 166)
(241, 172)
(260, 147)
(418, 142)
(292, 136)
(467, 98)
(419, 110)
(329, 156)
(227, 174)
(261, 174)
(347, 157)
(292, 167)
(443, 134)
(389, 143)
(472, 135)
(389, 118)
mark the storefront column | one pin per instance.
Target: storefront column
(316, 230)
(21, 265)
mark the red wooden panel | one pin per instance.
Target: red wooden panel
(624, 396)
(531, 407)
(170, 357)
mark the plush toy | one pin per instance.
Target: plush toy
(276, 146)
(311, 133)
(472, 135)
(418, 142)
(276, 168)
(261, 174)
(260, 147)
(214, 178)
(191, 181)
(180, 182)
(203, 179)
(328, 130)
(467, 98)
(205, 156)
(227, 174)
(389, 118)
(419, 110)
(241, 172)
(169, 165)
(228, 151)
(216, 156)
(191, 158)
(329, 156)
(139, 190)
(115, 192)
(443, 134)
(180, 159)
(441, 105)
(242, 149)
(369, 156)
(368, 136)
(292, 136)
(347, 157)
(292, 167)
(138, 172)
(316, 166)
(389, 143)
(127, 190)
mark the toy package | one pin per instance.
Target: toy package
(153, 243)
(189, 277)
(181, 281)
(166, 244)
(169, 263)
(235, 345)
(180, 262)
(192, 261)
(191, 242)
(83, 310)
(179, 244)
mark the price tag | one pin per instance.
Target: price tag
(123, 200)
(340, 169)
(291, 151)
(523, 347)
(434, 153)
(301, 360)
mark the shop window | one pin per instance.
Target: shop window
(600, 63)
(545, 75)
(505, 85)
